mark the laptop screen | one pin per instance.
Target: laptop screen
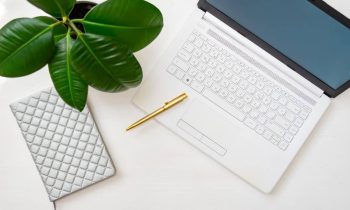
(299, 30)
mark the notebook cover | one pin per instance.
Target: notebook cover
(65, 144)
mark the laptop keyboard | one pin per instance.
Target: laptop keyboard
(227, 81)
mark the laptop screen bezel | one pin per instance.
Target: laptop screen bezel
(331, 92)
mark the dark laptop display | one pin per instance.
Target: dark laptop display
(300, 31)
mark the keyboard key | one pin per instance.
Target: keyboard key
(229, 63)
(235, 79)
(250, 123)
(225, 83)
(184, 55)
(255, 104)
(264, 109)
(299, 122)
(271, 115)
(232, 88)
(247, 98)
(179, 74)
(282, 110)
(294, 108)
(198, 42)
(260, 129)
(212, 43)
(267, 135)
(193, 72)
(283, 145)
(260, 85)
(275, 128)
(209, 72)
(201, 67)
(222, 58)
(288, 137)
(243, 84)
(228, 74)
(215, 87)
(262, 119)
(208, 83)
(197, 53)
(197, 86)
(247, 109)
(275, 95)
(304, 114)
(239, 103)
(212, 64)
(223, 93)
(231, 98)
(181, 64)
(252, 80)
(220, 68)
(224, 105)
(194, 61)
(214, 53)
(294, 130)
(282, 122)
(187, 80)
(240, 93)
(290, 116)
(196, 32)
(189, 47)
(192, 38)
(205, 58)
(268, 90)
(259, 95)
(251, 90)
(283, 101)
(200, 77)
(267, 100)
(275, 140)
(245, 74)
(206, 48)
(217, 77)
(254, 114)
(172, 69)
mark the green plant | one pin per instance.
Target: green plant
(100, 56)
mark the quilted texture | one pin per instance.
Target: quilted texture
(65, 144)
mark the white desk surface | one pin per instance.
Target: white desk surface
(156, 169)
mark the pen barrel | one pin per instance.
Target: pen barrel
(175, 101)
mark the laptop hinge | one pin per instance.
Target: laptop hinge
(211, 19)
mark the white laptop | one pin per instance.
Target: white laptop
(259, 75)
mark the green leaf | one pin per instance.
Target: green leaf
(59, 31)
(105, 64)
(26, 45)
(56, 8)
(133, 22)
(72, 89)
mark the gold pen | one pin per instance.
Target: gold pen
(166, 106)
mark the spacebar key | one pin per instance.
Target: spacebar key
(224, 105)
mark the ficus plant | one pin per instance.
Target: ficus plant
(98, 53)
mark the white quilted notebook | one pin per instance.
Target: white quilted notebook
(65, 144)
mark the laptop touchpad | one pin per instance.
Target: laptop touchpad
(207, 126)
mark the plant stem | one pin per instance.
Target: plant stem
(74, 27)
(77, 20)
(56, 24)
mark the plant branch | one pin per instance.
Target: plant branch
(74, 27)
(56, 24)
(77, 20)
